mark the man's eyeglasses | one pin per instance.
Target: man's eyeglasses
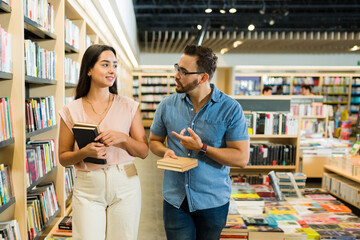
(182, 72)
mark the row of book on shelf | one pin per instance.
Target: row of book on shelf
(272, 154)
(41, 12)
(39, 62)
(270, 123)
(257, 213)
(72, 36)
(42, 205)
(6, 129)
(72, 70)
(40, 159)
(40, 113)
(69, 181)
(5, 51)
(309, 110)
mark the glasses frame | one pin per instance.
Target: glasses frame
(183, 74)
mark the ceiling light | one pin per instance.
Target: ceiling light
(199, 27)
(232, 10)
(271, 22)
(251, 27)
(208, 10)
(263, 8)
(286, 12)
(237, 43)
(224, 50)
(222, 11)
(354, 48)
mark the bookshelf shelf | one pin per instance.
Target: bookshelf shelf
(6, 142)
(313, 117)
(40, 131)
(36, 80)
(335, 94)
(51, 219)
(33, 29)
(70, 85)
(4, 7)
(7, 205)
(260, 136)
(41, 179)
(5, 76)
(70, 49)
(341, 173)
(276, 167)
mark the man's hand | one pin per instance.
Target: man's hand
(192, 142)
(170, 154)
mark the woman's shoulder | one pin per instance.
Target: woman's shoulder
(74, 105)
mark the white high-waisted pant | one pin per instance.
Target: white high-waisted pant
(106, 205)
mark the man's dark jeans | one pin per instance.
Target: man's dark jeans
(181, 224)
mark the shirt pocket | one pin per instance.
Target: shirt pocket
(212, 132)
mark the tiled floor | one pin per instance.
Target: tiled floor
(151, 223)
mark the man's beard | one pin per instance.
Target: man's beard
(191, 86)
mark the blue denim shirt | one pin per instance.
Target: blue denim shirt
(220, 119)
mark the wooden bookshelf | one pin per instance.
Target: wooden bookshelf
(341, 173)
(353, 181)
(17, 87)
(318, 77)
(149, 88)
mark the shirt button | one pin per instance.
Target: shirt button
(187, 185)
(192, 124)
(188, 154)
(192, 109)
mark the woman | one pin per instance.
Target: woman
(106, 198)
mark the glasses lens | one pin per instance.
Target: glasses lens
(178, 70)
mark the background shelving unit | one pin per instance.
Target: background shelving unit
(347, 184)
(278, 104)
(335, 83)
(149, 88)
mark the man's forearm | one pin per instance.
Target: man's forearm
(158, 148)
(228, 156)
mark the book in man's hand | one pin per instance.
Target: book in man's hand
(180, 164)
(84, 134)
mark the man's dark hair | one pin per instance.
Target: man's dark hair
(207, 60)
(266, 88)
(307, 87)
(91, 56)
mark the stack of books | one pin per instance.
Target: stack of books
(179, 164)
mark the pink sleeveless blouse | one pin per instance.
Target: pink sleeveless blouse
(118, 118)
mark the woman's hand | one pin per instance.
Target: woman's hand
(95, 150)
(112, 138)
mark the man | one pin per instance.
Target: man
(306, 90)
(204, 123)
(267, 91)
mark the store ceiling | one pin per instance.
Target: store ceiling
(299, 26)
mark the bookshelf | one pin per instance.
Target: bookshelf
(19, 85)
(341, 184)
(149, 88)
(333, 82)
(276, 105)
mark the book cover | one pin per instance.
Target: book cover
(84, 134)
(66, 223)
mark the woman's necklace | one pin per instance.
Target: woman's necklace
(94, 108)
